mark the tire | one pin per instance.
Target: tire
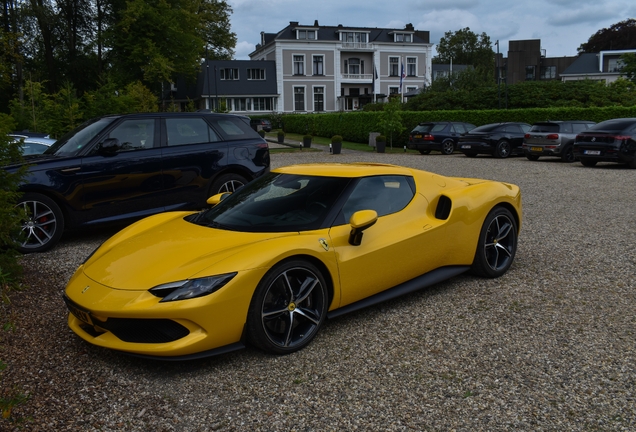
(288, 308)
(448, 147)
(425, 152)
(497, 244)
(471, 155)
(43, 226)
(502, 150)
(567, 155)
(589, 162)
(226, 183)
(532, 157)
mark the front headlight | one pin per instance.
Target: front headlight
(191, 288)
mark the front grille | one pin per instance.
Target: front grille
(145, 330)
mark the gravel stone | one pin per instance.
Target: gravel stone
(548, 346)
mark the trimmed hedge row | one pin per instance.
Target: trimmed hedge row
(355, 126)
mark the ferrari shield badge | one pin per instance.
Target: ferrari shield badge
(324, 244)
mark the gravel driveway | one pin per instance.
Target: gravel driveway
(549, 346)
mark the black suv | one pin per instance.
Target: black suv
(124, 167)
(498, 139)
(609, 141)
(440, 136)
(553, 138)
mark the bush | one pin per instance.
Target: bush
(336, 139)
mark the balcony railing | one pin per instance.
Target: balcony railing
(360, 77)
(357, 45)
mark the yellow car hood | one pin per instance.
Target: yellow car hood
(167, 252)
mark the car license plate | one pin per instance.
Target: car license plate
(79, 313)
(417, 136)
(466, 146)
(536, 149)
(592, 152)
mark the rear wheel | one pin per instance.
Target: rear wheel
(589, 162)
(532, 157)
(44, 224)
(502, 150)
(425, 152)
(497, 244)
(567, 155)
(227, 183)
(288, 308)
(448, 147)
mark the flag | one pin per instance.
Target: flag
(402, 76)
(375, 77)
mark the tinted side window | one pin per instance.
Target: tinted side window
(384, 194)
(513, 129)
(134, 134)
(438, 128)
(189, 130)
(232, 128)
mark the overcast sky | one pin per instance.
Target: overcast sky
(562, 25)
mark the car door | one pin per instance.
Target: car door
(404, 243)
(193, 151)
(123, 181)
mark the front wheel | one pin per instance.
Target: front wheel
(288, 308)
(503, 149)
(448, 147)
(497, 244)
(44, 223)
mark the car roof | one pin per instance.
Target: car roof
(344, 170)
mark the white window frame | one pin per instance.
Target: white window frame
(306, 34)
(396, 88)
(414, 63)
(260, 73)
(313, 64)
(302, 63)
(314, 93)
(234, 74)
(397, 65)
(304, 98)
(403, 37)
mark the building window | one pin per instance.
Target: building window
(319, 68)
(530, 73)
(262, 104)
(614, 65)
(410, 89)
(229, 74)
(411, 66)
(306, 34)
(319, 98)
(299, 98)
(353, 37)
(354, 66)
(394, 66)
(548, 72)
(299, 65)
(394, 90)
(402, 37)
(256, 74)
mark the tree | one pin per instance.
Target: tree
(390, 119)
(468, 48)
(619, 36)
(629, 66)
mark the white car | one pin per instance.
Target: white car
(33, 144)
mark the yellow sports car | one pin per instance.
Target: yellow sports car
(269, 263)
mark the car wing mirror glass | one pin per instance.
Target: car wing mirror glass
(360, 221)
(215, 199)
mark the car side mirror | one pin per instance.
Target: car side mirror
(215, 199)
(360, 221)
(110, 146)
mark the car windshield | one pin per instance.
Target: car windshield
(275, 203)
(423, 128)
(487, 128)
(73, 142)
(545, 127)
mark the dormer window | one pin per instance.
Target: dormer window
(403, 37)
(306, 34)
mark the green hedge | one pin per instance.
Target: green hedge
(355, 126)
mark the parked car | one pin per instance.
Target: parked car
(553, 138)
(271, 262)
(439, 136)
(498, 139)
(33, 144)
(608, 141)
(123, 167)
(264, 124)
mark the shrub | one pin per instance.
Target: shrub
(336, 139)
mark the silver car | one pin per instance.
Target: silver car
(553, 138)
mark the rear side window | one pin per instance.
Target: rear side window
(189, 130)
(580, 127)
(233, 128)
(425, 128)
(438, 128)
